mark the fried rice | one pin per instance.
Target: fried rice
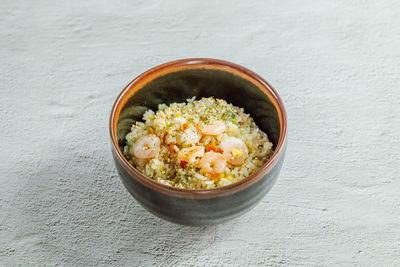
(198, 144)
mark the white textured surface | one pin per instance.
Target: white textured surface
(336, 65)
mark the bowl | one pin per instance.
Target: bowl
(177, 81)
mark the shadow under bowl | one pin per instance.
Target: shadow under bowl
(177, 81)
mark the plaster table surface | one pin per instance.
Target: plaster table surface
(336, 65)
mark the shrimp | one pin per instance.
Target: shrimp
(191, 153)
(214, 128)
(212, 164)
(234, 150)
(146, 147)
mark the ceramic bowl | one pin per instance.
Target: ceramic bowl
(177, 81)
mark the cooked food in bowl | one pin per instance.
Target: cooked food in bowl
(199, 144)
(176, 188)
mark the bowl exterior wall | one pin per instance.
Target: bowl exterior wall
(203, 211)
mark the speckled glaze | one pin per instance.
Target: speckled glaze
(175, 82)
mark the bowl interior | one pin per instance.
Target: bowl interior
(180, 85)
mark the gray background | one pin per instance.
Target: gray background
(335, 64)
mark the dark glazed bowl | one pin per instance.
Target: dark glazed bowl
(201, 77)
